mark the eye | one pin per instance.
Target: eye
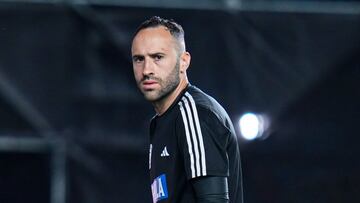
(158, 57)
(138, 59)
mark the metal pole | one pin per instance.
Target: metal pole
(58, 172)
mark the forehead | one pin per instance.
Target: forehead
(153, 39)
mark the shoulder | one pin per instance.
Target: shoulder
(196, 105)
(203, 102)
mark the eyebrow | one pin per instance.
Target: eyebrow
(151, 55)
(156, 54)
(137, 56)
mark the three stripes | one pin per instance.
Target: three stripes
(194, 136)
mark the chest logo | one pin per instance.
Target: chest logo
(164, 152)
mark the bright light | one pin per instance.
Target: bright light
(251, 126)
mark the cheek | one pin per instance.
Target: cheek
(167, 67)
(137, 74)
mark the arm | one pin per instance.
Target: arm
(211, 189)
(209, 181)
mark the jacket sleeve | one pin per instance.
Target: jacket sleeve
(211, 189)
(202, 140)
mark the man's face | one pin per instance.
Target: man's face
(155, 63)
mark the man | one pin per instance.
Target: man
(194, 155)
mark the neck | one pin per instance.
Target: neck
(162, 105)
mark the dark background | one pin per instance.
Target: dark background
(73, 127)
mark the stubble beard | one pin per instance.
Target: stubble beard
(167, 86)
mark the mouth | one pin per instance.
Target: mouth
(149, 84)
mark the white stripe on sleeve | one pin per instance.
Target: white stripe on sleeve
(193, 136)
(199, 133)
(188, 139)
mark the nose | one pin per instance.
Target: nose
(148, 67)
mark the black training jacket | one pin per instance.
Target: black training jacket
(193, 138)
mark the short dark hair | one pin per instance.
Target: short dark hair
(174, 28)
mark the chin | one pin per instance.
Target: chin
(151, 97)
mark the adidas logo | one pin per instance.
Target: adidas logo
(164, 152)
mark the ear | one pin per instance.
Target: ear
(185, 59)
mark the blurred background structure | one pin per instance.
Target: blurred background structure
(73, 127)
